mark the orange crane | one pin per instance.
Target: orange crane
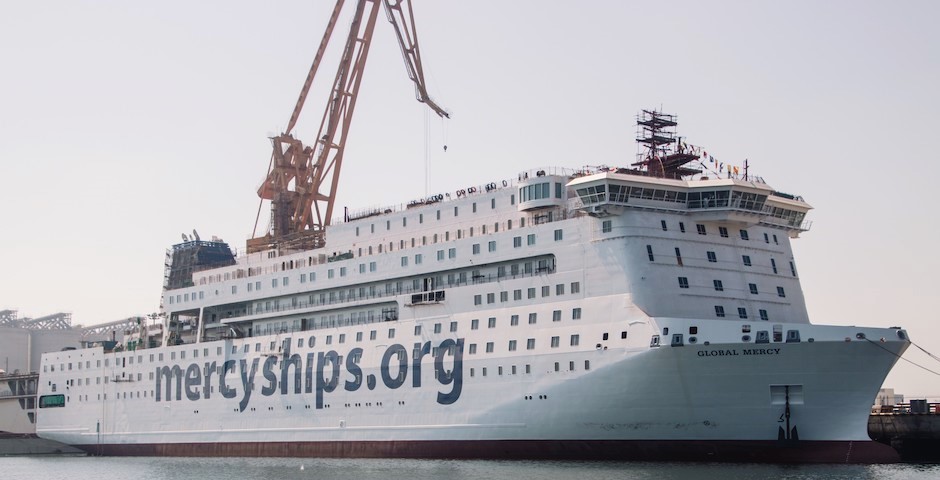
(301, 180)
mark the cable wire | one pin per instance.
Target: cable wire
(902, 358)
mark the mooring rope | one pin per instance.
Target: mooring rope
(877, 344)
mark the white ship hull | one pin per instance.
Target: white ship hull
(634, 403)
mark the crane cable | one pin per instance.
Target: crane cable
(444, 133)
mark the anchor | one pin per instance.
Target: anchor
(790, 434)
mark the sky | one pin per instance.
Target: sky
(125, 124)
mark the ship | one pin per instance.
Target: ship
(651, 311)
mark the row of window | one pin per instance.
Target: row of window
(742, 312)
(437, 215)
(712, 257)
(528, 370)
(435, 238)
(310, 342)
(719, 286)
(59, 400)
(450, 253)
(722, 231)
(425, 285)
(531, 292)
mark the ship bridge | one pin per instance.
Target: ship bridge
(720, 200)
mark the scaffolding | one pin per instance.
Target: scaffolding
(56, 321)
(185, 258)
(663, 154)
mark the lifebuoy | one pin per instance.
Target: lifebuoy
(505, 183)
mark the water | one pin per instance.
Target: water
(152, 468)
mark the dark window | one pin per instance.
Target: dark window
(719, 311)
(763, 315)
(663, 222)
(723, 232)
(681, 227)
(711, 257)
(649, 252)
(747, 260)
(678, 257)
(766, 238)
(605, 335)
(780, 292)
(792, 269)
(700, 228)
(718, 286)
(47, 401)
(742, 312)
(753, 287)
(775, 239)
(773, 265)
(744, 235)
(683, 282)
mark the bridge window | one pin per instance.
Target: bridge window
(589, 195)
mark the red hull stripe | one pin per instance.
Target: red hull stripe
(721, 451)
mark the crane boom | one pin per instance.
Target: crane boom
(301, 181)
(316, 64)
(408, 43)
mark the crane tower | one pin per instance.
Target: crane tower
(302, 179)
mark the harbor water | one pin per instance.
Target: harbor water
(154, 468)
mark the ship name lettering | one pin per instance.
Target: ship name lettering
(317, 373)
(761, 351)
(717, 353)
(734, 352)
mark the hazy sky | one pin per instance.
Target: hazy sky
(123, 124)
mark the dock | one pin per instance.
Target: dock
(913, 429)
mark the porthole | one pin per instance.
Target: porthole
(692, 339)
(746, 338)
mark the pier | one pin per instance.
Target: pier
(913, 429)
